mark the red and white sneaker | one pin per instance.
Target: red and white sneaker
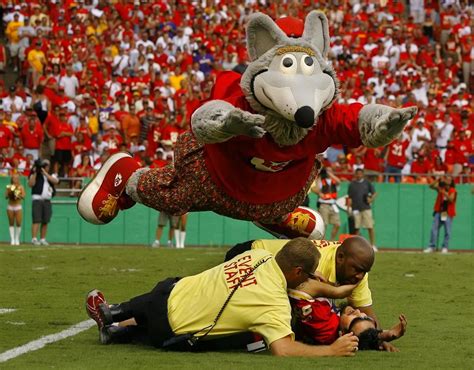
(93, 300)
(104, 196)
(302, 222)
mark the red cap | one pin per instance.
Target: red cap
(293, 27)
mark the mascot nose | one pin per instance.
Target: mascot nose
(304, 117)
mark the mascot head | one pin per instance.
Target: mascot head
(289, 80)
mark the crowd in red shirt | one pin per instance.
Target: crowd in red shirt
(98, 76)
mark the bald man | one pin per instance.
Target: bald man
(341, 263)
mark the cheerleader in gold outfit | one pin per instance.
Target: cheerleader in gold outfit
(15, 193)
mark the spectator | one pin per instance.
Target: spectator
(15, 193)
(444, 212)
(42, 190)
(37, 63)
(6, 134)
(69, 83)
(13, 103)
(420, 167)
(443, 130)
(341, 168)
(32, 136)
(12, 33)
(130, 124)
(361, 196)
(419, 136)
(63, 150)
(396, 158)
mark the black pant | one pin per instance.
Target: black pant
(150, 311)
(238, 249)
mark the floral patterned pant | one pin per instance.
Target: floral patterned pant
(187, 187)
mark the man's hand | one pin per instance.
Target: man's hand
(388, 347)
(399, 329)
(347, 345)
(239, 122)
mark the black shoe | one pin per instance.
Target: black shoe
(113, 313)
(115, 334)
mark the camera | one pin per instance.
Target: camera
(39, 164)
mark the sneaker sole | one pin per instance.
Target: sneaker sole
(105, 315)
(88, 312)
(86, 198)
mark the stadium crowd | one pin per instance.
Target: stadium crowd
(99, 76)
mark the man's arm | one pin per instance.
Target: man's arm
(396, 331)
(32, 180)
(346, 345)
(316, 188)
(318, 289)
(53, 180)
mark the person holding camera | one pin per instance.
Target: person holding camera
(42, 189)
(444, 212)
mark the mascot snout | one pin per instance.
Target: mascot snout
(304, 117)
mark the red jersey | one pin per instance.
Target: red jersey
(422, 166)
(64, 142)
(6, 136)
(170, 132)
(257, 170)
(396, 154)
(32, 138)
(316, 322)
(114, 142)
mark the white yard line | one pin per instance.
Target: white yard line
(43, 341)
(6, 310)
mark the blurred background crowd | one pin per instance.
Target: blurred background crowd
(92, 77)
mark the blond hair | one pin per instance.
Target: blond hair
(298, 252)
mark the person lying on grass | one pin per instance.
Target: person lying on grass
(345, 267)
(246, 294)
(317, 321)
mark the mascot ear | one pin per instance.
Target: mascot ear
(262, 35)
(316, 31)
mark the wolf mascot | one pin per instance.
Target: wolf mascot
(252, 151)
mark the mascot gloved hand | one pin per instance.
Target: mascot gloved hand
(251, 152)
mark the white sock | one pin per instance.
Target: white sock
(17, 235)
(12, 233)
(177, 238)
(183, 237)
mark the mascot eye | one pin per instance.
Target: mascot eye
(288, 64)
(307, 64)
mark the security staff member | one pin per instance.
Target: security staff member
(326, 188)
(188, 307)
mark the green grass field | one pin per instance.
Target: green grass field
(47, 287)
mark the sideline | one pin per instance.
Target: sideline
(43, 341)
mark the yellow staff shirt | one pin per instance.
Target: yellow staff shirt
(260, 305)
(361, 295)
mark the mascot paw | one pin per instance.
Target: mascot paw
(379, 124)
(239, 122)
(398, 118)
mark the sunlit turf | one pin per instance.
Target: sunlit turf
(47, 287)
